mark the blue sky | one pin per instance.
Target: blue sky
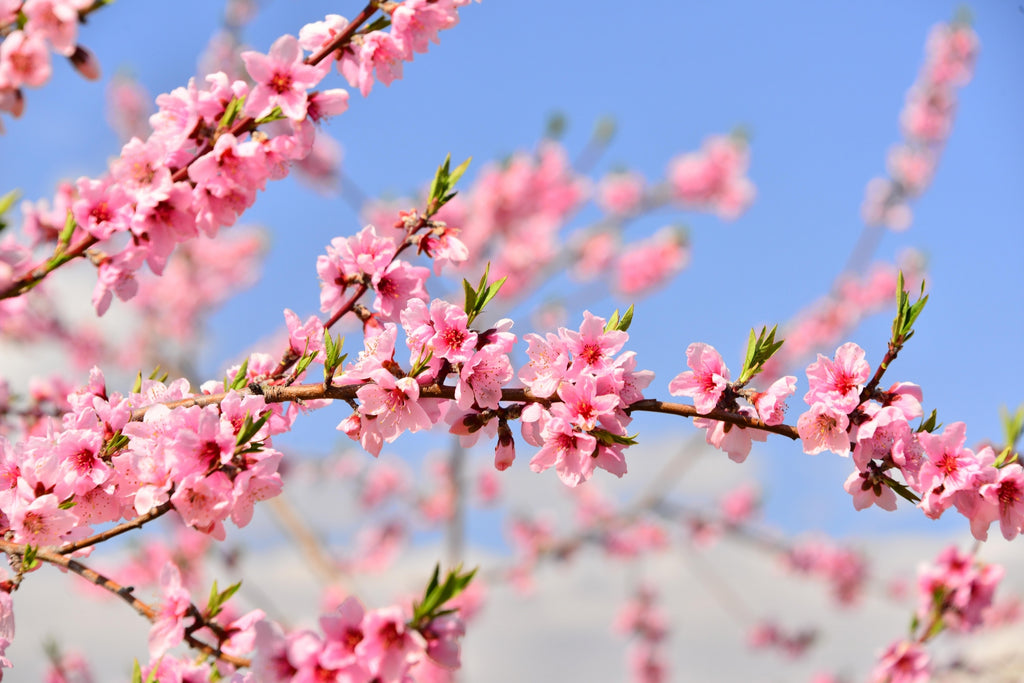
(818, 85)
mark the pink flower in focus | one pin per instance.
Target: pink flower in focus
(706, 380)
(282, 79)
(838, 381)
(823, 427)
(868, 490)
(395, 404)
(771, 404)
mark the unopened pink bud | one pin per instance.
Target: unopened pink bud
(85, 63)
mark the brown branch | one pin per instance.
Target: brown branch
(274, 393)
(55, 557)
(112, 532)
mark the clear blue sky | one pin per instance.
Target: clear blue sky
(819, 85)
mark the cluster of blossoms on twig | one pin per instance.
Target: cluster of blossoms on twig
(513, 216)
(643, 620)
(29, 31)
(926, 120)
(955, 593)
(213, 147)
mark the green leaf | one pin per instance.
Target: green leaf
(608, 439)
(67, 504)
(421, 364)
(275, 115)
(760, 349)
(929, 424)
(217, 598)
(470, 295)
(378, 24)
(441, 189)
(459, 171)
(136, 672)
(1006, 457)
(67, 231)
(490, 293)
(7, 201)
(437, 594)
(232, 110)
(29, 560)
(250, 428)
(304, 362)
(615, 323)
(1013, 425)
(240, 380)
(137, 387)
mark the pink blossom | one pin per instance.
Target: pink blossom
(823, 427)
(948, 463)
(592, 348)
(55, 20)
(867, 489)
(305, 337)
(713, 178)
(651, 263)
(395, 404)
(620, 193)
(282, 79)
(24, 60)
(706, 380)
(733, 439)
(771, 404)
(1006, 495)
(204, 502)
(838, 381)
(169, 625)
(549, 360)
(415, 23)
(482, 378)
(39, 521)
(388, 646)
(566, 449)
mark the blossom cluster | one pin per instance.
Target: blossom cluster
(587, 428)
(213, 146)
(707, 383)
(25, 46)
(956, 592)
(513, 216)
(645, 621)
(360, 645)
(715, 177)
(926, 120)
(102, 467)
(874, 426)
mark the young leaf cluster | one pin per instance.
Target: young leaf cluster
(615, 323)
(217, 598)
(438, 593)
(477, 298)
(759, 349)
(333, 357)
(906, 313)
(442, 189)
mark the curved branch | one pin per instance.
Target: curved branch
(126, 593)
